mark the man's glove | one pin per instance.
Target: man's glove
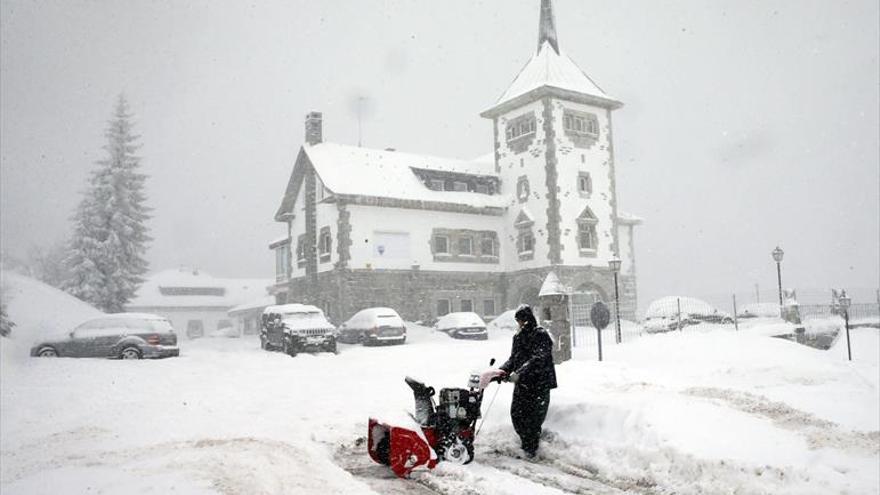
(513, 377)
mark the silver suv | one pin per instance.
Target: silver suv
(119, 335)
(294, 328)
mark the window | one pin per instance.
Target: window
(587, 238)
(301, 250)
(195, 328)
(585, 184)
(442, 307)
(521, 126)
(282, 262)
(465, 246)
(487, 246)
(483, 189)
(435, 184)
(522, 188)
(526, 242)
(466, 305)
(325, 244)
(581, 123)
(441, 244)
(459, 186)
(488, 307)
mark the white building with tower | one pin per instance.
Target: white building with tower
(429, 235)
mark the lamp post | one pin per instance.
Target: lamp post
(777, 257)
(614, 263)
(844, 304)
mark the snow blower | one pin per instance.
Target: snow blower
(444, 431)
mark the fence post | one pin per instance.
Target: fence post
(678, 303)
(735, 320)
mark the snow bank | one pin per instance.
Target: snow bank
(708, 410)
(39, 311)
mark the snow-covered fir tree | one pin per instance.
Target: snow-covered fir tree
(5, 323)
(109, 240)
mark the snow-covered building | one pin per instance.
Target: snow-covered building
(429, 235)
(195, 302)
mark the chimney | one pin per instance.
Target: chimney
(314, 128)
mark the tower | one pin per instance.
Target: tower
(555, 156)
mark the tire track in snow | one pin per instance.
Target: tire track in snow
(820, 433)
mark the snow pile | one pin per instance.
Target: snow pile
(39, 311)
(709, 410)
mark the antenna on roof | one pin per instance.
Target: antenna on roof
(359, 103)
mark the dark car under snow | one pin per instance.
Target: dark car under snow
(120, 335)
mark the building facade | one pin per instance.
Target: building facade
(429, 235)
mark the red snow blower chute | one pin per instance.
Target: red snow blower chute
(437, 432)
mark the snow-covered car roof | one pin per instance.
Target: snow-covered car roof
(139, 316)
(371, 316)
(669, 305)
(292, 308)
(460, 320)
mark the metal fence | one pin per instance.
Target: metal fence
(683, 313)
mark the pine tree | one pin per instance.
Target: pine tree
(106, 252)
(5, 323)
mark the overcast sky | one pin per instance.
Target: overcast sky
(746, 124)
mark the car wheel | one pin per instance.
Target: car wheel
(288, 347)
(47, 352)
(130, 353)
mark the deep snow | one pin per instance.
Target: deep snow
(708, 410)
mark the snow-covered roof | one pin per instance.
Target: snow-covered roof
(194, 288)
(292, 308)
(552, 286)
(351, 170)
(253, 304)
(627, 218)
(551, 69)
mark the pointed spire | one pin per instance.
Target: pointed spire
(547, 26)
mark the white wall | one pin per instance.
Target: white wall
(419, 224)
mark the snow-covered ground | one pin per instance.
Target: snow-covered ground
(709, 411)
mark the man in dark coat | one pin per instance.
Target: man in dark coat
(530, 368)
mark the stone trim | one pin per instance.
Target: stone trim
(454, 237)
(554, 254)
(311, 208)
(497, 145)
(343, 236)
(615, 246)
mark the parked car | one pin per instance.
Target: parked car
(463, 325)
(294, 328)
(675, 312)
(119, 335)
(760, 310)
(373, 326)
(505, 321)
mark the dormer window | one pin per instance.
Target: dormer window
(435, 184)
(459, 186)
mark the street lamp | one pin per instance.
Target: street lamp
(614, 263)
(844, 304)
(777, 257)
